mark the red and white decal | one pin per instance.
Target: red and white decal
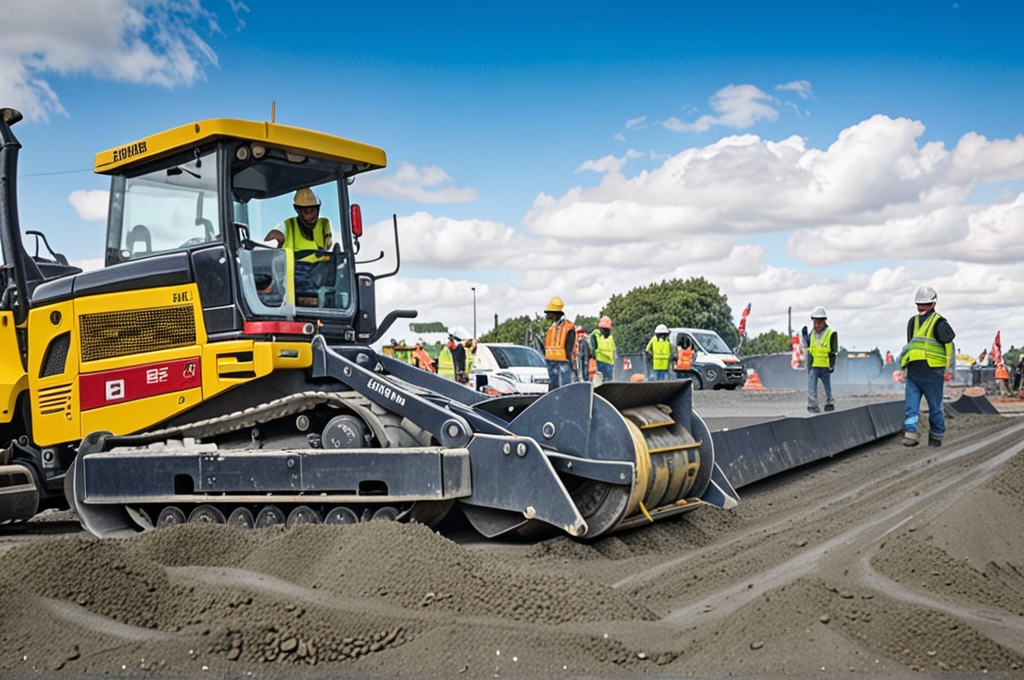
(137, 382)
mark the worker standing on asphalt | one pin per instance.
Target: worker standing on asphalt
(603, 345)
(684, 356)
(926, 360)
(659, 352)
(559, 343)
(458, 351)
(583, 356)
(822, 347)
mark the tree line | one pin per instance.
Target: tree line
(693, 303)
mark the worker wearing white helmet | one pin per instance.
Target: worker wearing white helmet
(822, 347)
(659, 352)
(559, 343)
(927, 360)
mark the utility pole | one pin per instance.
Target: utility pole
(474, 312)
(790, 323)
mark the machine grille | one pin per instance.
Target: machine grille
(54, 399)
(115, 334)
(56, 355)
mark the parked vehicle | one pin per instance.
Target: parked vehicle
(715, 365)
(509, 369)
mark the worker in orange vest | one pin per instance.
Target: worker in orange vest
(1003, 379)
(423, 359)
(559, 343)
(684, 356)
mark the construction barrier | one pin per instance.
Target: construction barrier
(749, 454)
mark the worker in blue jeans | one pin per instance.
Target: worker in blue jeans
(925, 361)
(822, 348)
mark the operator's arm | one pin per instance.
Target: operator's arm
(275, 235)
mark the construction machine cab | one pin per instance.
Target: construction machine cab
(215, 189)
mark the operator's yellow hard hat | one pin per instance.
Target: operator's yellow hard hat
(305, 198)
(555, 305)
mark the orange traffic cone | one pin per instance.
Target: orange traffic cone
(753, 382)
(636, 377)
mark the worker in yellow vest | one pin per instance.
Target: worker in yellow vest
(822, 348)
(926, 359)
(659, 353)
(309, 236)
(603, 345)
(559, 343)
(446, 362)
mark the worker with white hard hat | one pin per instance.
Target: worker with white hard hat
(822, 347)
(559, 343)
(926, 361)
(659, 352)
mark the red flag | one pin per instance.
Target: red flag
(997, 351)
(743, 322)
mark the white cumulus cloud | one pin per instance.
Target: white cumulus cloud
(91, 206)
(157, 42)
(737, 106)
(428, 184)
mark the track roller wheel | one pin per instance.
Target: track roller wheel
(387, 512)
(341, 515)
(241, 518)
(269, 516)
(170, 516)
(303, 514)
(206, 514)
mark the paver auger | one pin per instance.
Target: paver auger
(196, 378)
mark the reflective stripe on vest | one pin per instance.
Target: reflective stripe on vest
(661, 352)
(819, 348)
(297, 241)
(924, 347)
(685, 359)
(605, 352)
(554, 341)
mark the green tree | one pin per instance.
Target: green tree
(694, 303)
(515, 330)
(769, 342)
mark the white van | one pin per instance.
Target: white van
(509, 369)
(715, 366)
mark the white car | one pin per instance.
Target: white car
(509, 369)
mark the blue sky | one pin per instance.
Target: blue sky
(793, 153)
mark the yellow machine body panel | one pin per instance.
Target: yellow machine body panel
(297, 141)
(13, 378)
(118, 362)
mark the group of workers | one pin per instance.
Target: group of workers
(454, 361)
(926, 362)
(571, 354)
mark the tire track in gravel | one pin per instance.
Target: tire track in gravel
(726, 575)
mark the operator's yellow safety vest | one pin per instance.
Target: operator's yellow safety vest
(554, 341)
(605, 352)
(685, 359)
(819, 348)
(661, 352)
(295, 240)
(924, 347)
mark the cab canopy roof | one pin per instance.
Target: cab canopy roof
(293, 140)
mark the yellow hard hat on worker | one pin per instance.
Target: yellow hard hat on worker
(556, 305)
(305, 198)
